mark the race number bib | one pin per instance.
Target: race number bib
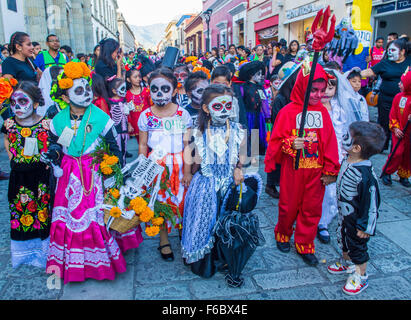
(403, 102)
(262, 95)
(173, 126)
(66, 137)
(313, 120)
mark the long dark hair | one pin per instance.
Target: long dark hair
(289, 47)
(212, 91)
(32, 90)
(99, 87)
(17, 38)
(129, 73)
(107, 47)
(94, 56)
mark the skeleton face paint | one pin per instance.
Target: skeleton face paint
(122, 90)
(393, 53)
(80, 94)
(347, 141)
(258, 77)
(197, 93)
(220, 109)
(161, 91)
(181, 75)
(21, 104)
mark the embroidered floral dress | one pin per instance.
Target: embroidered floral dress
(171, 142)
(141, 102)
(28, 194)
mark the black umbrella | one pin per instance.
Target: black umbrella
(237, 230)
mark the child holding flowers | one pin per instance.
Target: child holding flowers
(29, 195)
(166, 127)
(80, 246)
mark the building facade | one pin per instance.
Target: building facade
(227, 22)
(127, 38)
(263, 22)
(75, 22)
(181, 25)
(171, 35)
(194, 36)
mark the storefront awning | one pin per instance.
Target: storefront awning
(266, 23)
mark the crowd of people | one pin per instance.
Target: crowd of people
(227, 107)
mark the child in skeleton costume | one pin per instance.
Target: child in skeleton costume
(358, 202)
(302, 190)
(343, 111)
(400, 114)
(195, 86)
(29, 194)
(80, 246)
(181, 72)
(217, 141)
(166, 126)
(118, 109)
(255, 102)
(138, 96)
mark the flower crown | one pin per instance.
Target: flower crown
(6, 89)
(204, 69)
(72, 71)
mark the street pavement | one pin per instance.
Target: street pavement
(269, 274)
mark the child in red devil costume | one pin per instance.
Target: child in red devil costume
(399, 116)
(302, 190)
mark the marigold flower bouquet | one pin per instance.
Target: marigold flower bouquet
(132, 199)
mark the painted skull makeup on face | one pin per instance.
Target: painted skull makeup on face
(393, 53)
(21, 104)
(220, 109)
(197, 93)
(347, 141)
(258, 77)
(122, 90)
(181, 75)
(161, 91)
(80, 93)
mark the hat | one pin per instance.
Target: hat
(250, 191)
(248, 70)
(171, 57)
(286, 71)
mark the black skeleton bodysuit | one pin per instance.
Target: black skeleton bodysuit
(358, 199)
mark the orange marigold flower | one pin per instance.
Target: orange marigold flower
(105, 157)
(138, 205)
(152, 231)
(146, 215)
(65, 83)
(86, 70)
(157, 221)
(13, 82)
(73, 70)
(111, 161)
(115, 212)
(115, 193)
(6, 90)
(106, 170)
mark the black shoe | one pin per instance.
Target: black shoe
(323, 239)
(284, 246)
(167, 257)
(272, 192)
(386, 179)
(405, 182)
(129, 155)
(4, 175)
(309, 259)
(185, 262)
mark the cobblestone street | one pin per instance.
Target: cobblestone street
(269, 275)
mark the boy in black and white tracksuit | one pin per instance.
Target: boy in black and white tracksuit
(358, 199)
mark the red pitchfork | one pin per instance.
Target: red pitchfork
(321, 37)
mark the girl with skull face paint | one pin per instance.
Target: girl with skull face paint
(80, 246)
(117, 90)
(181, 72)
(26, 138)
(166, 126)
(217, 143)
(195, 85)
(255, 102)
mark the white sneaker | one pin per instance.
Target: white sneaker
(355, 284)
(341, 266)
